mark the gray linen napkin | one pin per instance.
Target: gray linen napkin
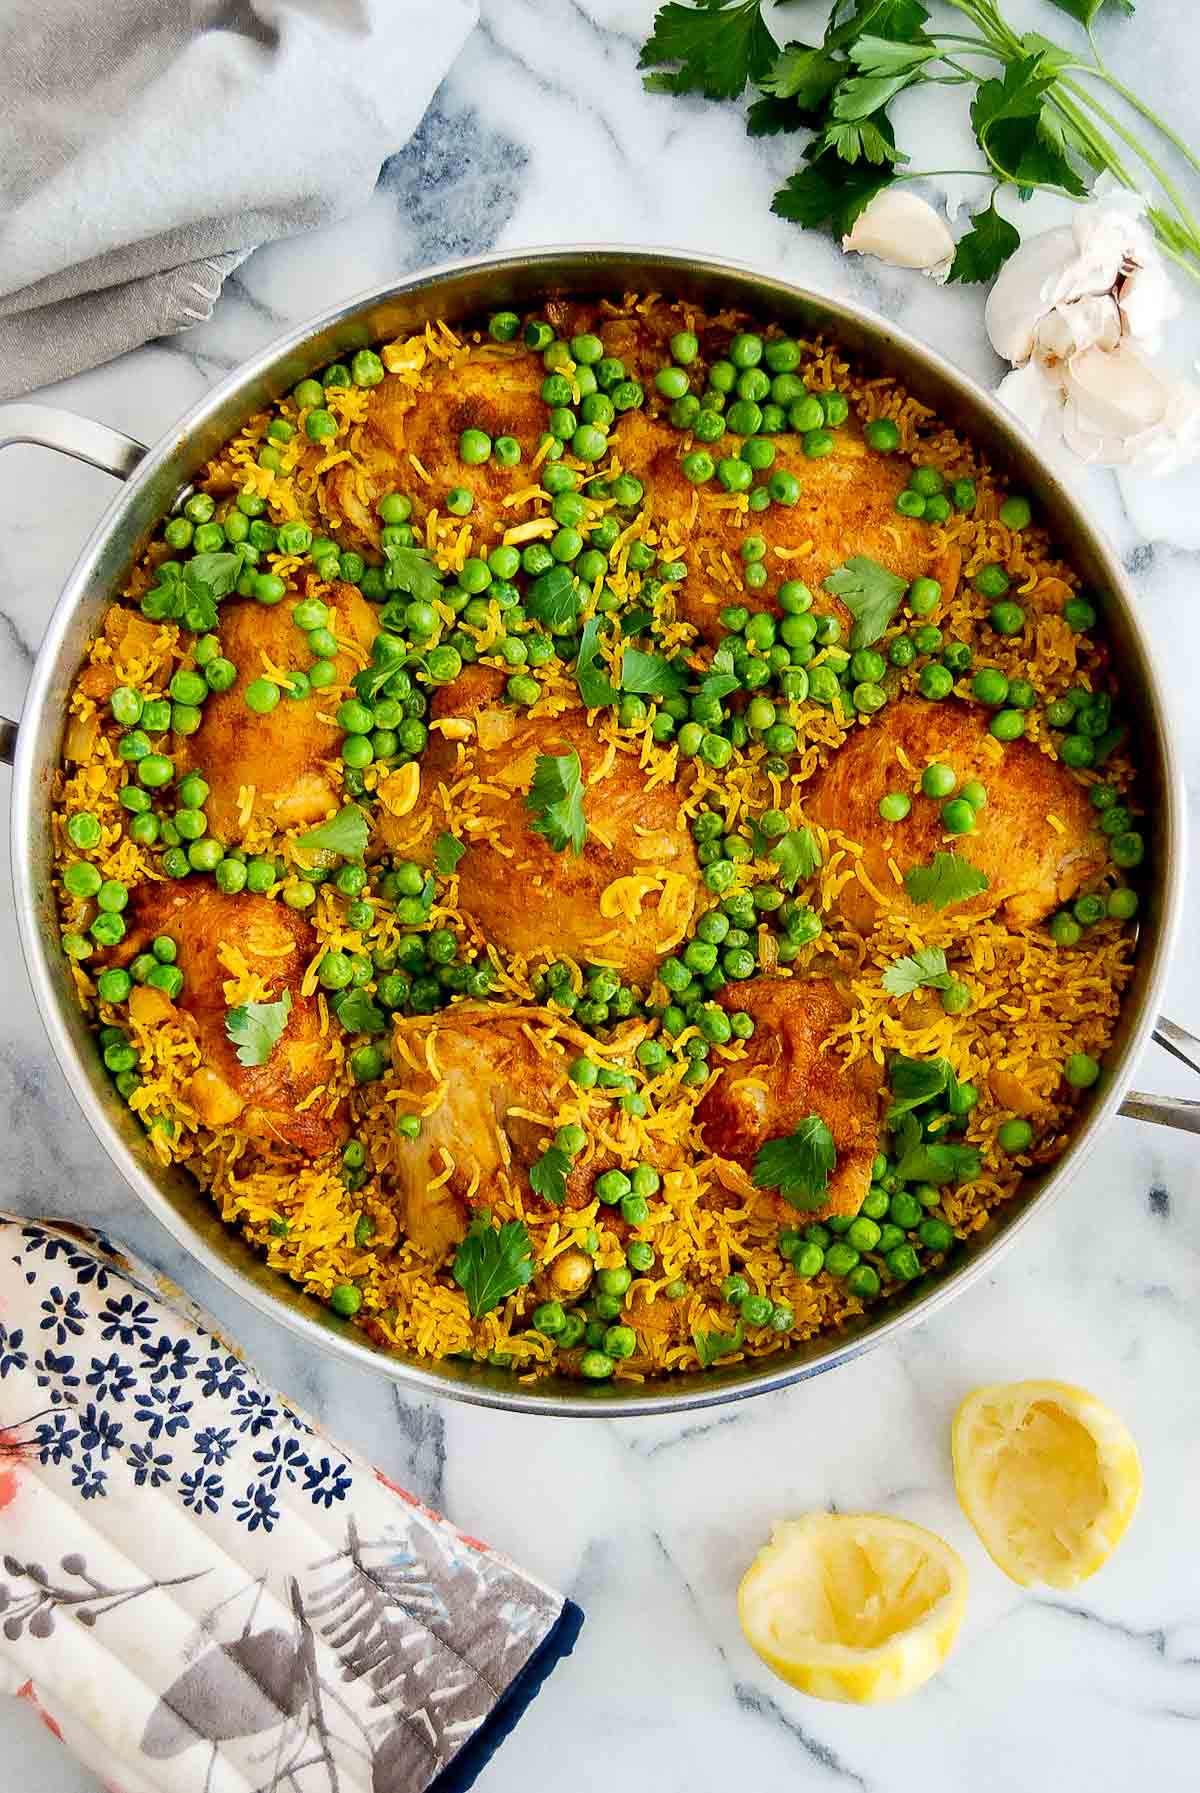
(146, 146)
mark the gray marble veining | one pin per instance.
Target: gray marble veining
(542, 133)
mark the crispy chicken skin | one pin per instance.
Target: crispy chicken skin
(527, 898)
(277, 944)
(790, 1071)
(1030, 865)
(494, 392)
(286, 755)
(489, 1066)
(846, 507)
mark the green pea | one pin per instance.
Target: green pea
(474, 447)
(201, 506)
(549, 1318)
(990, 686)
(938, 780)
(905, 1210)
(937, 683)
(935, 1234)
(345, 1299)
(926, 480)
(958, 816)
(882, 435)
(1123, 903)
(155, 770)
(1127, 849)
(596, 1366)
(1007, 725)
(862, 1234)
(903, 1263)
(1076, 750)
(1014, 1136)
(1015, 513)
(910, 504)
(895, 806)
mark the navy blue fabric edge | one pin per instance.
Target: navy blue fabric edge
(479, 1749)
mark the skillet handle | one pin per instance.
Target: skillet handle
(1169, 1111)
(84, 440)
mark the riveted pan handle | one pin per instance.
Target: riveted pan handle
(84, 440)
(1169, 1111)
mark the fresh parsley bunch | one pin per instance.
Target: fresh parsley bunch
(1040, 111)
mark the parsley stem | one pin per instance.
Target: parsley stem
(1100, 73)
(1157, 170)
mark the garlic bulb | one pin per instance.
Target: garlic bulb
(899, 228)
(1080, 312)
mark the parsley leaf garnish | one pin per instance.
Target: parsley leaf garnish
(986, 247)
(870, 593)
(947, 880)
(797, 855)
(650, 675)
(358, 1013)
(493, 1263)
(938, 1164)
(255, 1028)
(548, 1175)
(555, 599)
(556, 799)
(412, 570)
(711, 1345)
(716, 46)
(926, 969)
(206, 579)
(916, 1081)
(717, 685)
(1086, 10)
(799, 1166)
(805, 73)
(591, 674)
(447, 851)
(346, 833)
(1036, 125)
(829, 191)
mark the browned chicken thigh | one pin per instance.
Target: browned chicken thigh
(285, 756)
(791, 1071)
(491, 1078)
(495, 392)
(266, 1101)
(1030, 863)
(847, 506)
(526, 897)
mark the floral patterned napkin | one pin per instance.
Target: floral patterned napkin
(202, 1593)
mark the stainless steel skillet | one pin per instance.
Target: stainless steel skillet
(154, 478)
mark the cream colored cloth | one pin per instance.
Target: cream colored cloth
(146, 146)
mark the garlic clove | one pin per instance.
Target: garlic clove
(1017, 302)
(1122, 411)
(1118, 393)
(1069, 330)
(903, 230)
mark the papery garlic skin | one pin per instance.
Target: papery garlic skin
(1079, 311)
(901, 229)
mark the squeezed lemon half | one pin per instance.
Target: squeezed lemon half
(1048, 1476)
(853, 1606)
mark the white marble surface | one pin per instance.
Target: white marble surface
(543, 133)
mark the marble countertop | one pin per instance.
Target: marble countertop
(542, 134)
